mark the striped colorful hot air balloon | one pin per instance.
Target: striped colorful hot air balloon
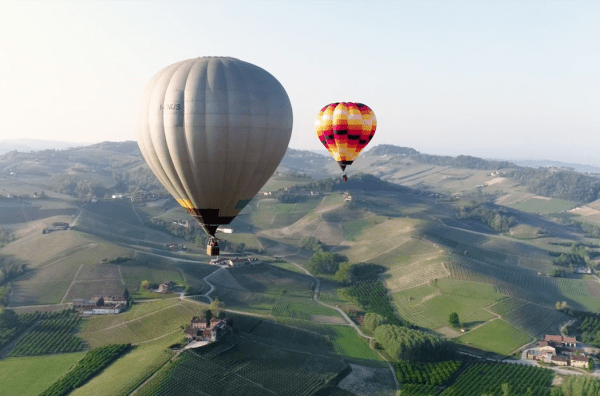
(345, 129)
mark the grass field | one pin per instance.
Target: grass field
(543, 206)
(48, 284)
(496, 336)
(435, 310)
(125, 374)
(140, 329)
(347, 342)
(32, 375)
(248, 239)
(44, 249)
(353, 228)
(134, 272)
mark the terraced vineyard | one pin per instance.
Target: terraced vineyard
(513, 282)
(241, 366)
(529, 318)
(413, 275)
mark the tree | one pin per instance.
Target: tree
(344, 273)
(126, 294)
(325, 263)
(453, 320)
(208, 316)
(8, 318)
(100, 302)
(506, 389)
(144, 285)
(216, 306)
(372, 321)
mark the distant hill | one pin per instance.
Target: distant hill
(390, 149)
(28, 145)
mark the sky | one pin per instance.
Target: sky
(495, 79)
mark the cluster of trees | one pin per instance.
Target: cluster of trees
(91, 364)
(325, 263)
(287, 197)
(6, 237)
(577, 385)
(570, 260)
(427, 373)
(562, 184)
(589, 327)
(311, 243)
(578, 257)
(71, 185)
(349, 273)
(372, 296)
(412, 345)
(9, 269)
(495, 219)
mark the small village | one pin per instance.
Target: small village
(561, 351)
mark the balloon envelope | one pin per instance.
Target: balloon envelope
(345, 129)
(213, 130)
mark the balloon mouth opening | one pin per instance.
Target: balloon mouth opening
(344, 163)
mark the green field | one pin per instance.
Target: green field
(126, 373)
(32, 375)
(248, 239)
(496, 336)
(155, 325)
(543, 206)
(353, 228)
(347, 342)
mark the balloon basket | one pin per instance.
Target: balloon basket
(212, 250)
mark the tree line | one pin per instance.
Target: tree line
(555, 183)
(498, 220)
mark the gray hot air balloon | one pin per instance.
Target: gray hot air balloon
(213, 130)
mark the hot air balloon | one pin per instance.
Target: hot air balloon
(345, 129)
(213, 130)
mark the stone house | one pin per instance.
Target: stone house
(560, 360)
(580, 361)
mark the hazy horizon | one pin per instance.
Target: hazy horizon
(490, 79)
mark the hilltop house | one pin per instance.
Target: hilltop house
(165, 287)
(198, 331)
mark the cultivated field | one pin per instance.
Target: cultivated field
(242, 366)
(136, 329)
(125, 374)
(496, 336)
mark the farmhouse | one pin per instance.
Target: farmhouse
(561, 341)
(559, 350)
(560, 360)
(166, 287)
(580, 361)
(101, 305)
(198, 331)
